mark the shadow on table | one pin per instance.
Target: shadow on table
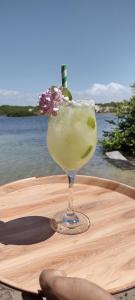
(26, 296)
(25, 231)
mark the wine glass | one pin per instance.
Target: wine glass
(71, 139)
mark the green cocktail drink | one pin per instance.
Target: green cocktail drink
(72, 135)
(71, 139)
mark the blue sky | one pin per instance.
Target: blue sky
(95, 38)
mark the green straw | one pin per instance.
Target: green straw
(64, 75)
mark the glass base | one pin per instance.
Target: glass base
(70, 223)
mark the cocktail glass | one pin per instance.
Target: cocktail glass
(71, 139)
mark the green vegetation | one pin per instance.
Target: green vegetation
(18, 111)
(24, 111)
(110, 107)
(122, 137)
(110, 104)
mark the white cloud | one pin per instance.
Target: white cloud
(98, 92)
(13, 97)
(105, 92)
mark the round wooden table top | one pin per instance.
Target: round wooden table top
(105, 254)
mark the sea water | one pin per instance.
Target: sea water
(24, 152)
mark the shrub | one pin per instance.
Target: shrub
(122, 137)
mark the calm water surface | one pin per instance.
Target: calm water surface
(23, 152)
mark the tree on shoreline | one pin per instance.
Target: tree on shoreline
(18, 111)
(122, 137)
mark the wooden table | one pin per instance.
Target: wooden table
(104, 254)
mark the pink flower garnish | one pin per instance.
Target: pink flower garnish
(50, 101)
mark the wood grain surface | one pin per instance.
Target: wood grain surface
(105, 254)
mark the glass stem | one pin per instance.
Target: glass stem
(71, 181)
